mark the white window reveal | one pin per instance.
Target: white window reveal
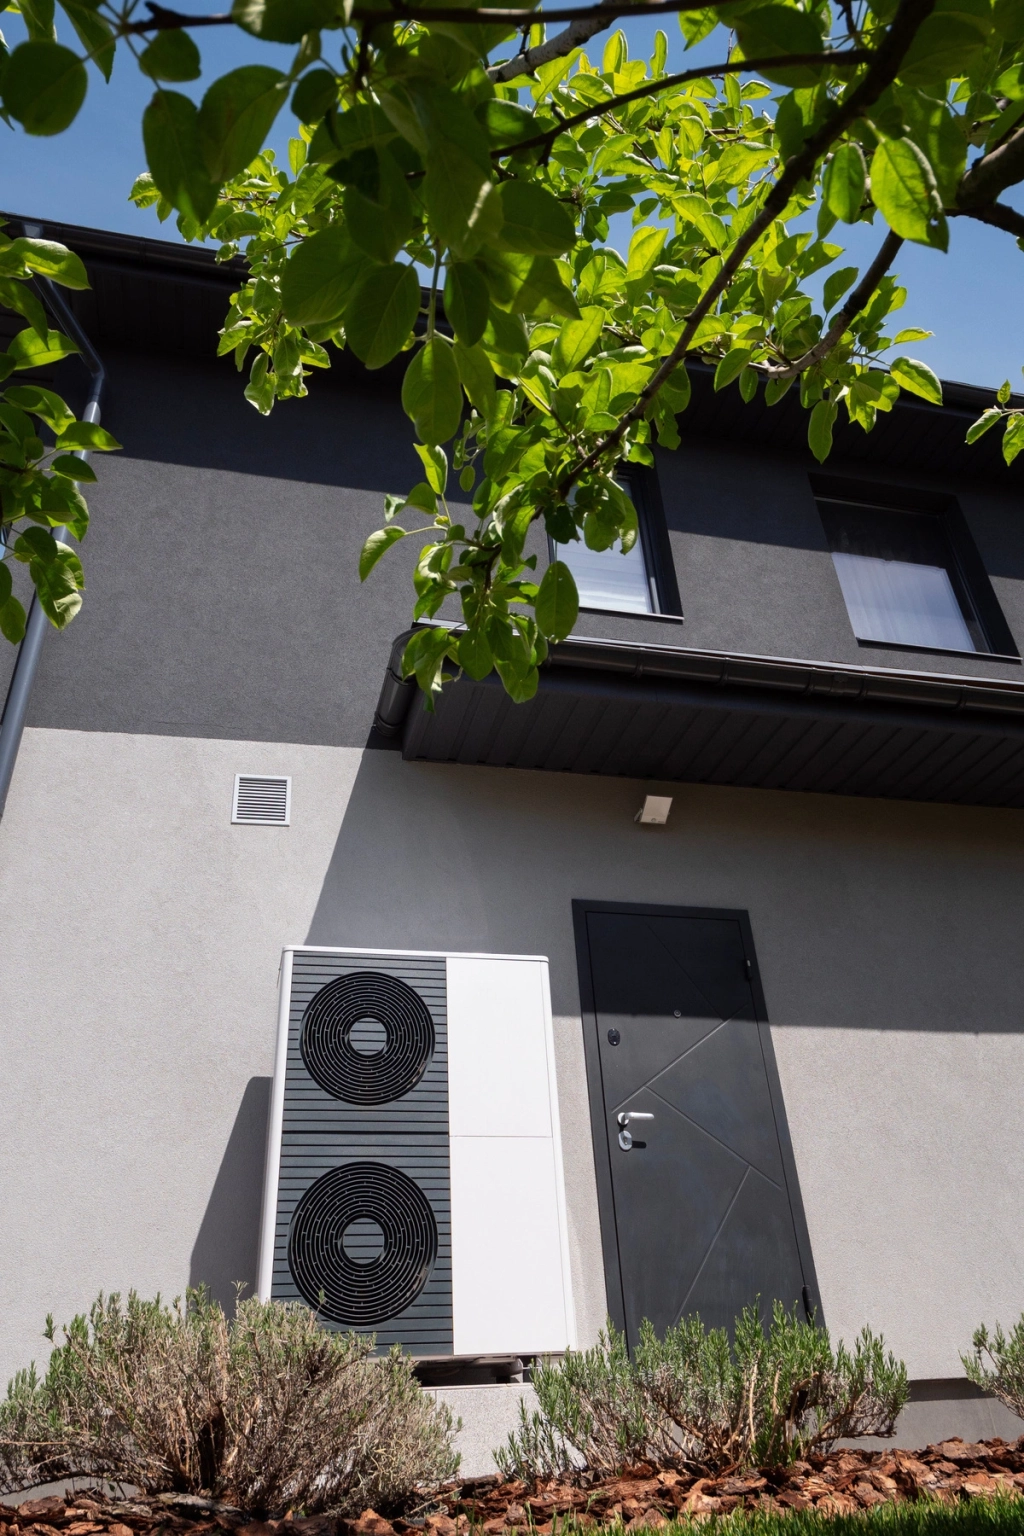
(262, 801)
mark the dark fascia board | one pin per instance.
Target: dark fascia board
(724, 670)
(139, 253)
(181, 261)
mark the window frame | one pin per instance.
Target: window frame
(645, 493)
(969, 578)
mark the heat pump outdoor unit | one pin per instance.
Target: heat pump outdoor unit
(414, 1182)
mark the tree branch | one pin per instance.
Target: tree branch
(849, 312)
(579, 31)
(668, 82)
(910, 14)
(992, 174)
(995, 213)
(163, 19)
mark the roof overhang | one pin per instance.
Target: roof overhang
(708, 717)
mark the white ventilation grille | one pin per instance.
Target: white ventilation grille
(262, 802)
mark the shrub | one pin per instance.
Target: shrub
(266, 1411)
(696, 1400)
(997, 1365)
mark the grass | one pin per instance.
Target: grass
(980, 1517)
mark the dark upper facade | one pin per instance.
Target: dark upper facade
(853, 629)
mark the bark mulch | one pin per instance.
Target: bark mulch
(641, 1498)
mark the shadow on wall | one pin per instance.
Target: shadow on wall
(867, 914)
(226, 1249)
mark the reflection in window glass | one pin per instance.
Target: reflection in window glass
(900, 603)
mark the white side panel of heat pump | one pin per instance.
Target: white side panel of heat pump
(508, 1295)
(498, 1083)
(507, 1189)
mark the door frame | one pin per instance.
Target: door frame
(595, 1089)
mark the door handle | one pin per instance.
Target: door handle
(624, 1117)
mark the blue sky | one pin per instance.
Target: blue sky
(972, 298)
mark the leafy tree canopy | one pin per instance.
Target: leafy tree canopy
(476, 154)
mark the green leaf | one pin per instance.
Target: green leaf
(505, 342)
(939, 134)
(236, 117)
(557, 604)
(836, 285)
(615, 53)
(93, 32)
(1013, 438)
(425, 656)
(44, 85)
(38, 17)
(74, 468)
(644, 251)
(506, 122)
(432, 393)
(466, 301)
(477, 378)
(170, 132)
(1008, 19)
(457, 186)
(283, 21)
(42, 403)
(172, 55)
(904, 190)
(381, 313)
(946, 42)
(314, 95)
(378, 544)
(980, 427)
(918, 378)
(12, 620)
(435, 462)
(696, 25)
(50, 260)
(30, 351)
(1004, 392)
(534, 222)
(319, 275)
(87, 434)
(575, 340)
(912, 333)
(380, 225)
(778, 29)
(19, 297)
(845, 182)
(475, 656)
(732, 365)
(819, 429)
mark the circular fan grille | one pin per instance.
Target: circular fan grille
(343, 1066)
(359, 1291)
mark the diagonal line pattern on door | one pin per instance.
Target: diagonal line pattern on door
(674, 1062)
(718, 1141)
(711, 1246)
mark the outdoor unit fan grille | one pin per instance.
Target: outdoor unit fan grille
(337, 1277)
(364, 1191)
(342, 1065)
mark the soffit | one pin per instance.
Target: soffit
(712, 718)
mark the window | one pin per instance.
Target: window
(638, 582)
(909, 575)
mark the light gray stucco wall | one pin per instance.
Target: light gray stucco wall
(138, 978)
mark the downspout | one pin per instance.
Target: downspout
(12, 722)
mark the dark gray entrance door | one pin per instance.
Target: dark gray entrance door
(700, 1205)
